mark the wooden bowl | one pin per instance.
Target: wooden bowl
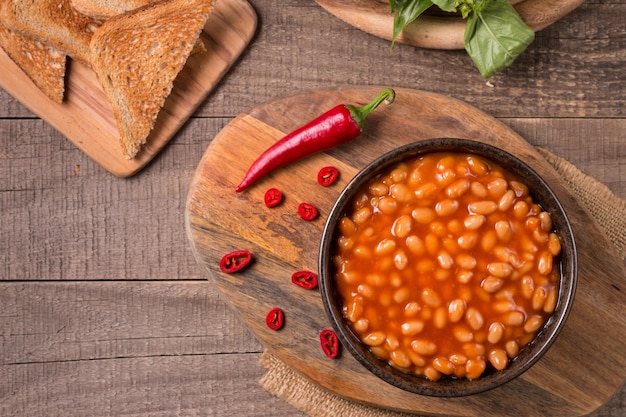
(448, 386)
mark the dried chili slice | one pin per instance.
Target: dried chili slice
(273, 197)
(275, 318)
(307, 211)
(329, 343)
(235, 261)
(327, 176)
(305, 279)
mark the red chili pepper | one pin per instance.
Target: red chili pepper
(235, 261)
(338, 125)
(275, 318)
(305, 279)
(307, 211)
(329, 343)
(327, 176)
(273, 197)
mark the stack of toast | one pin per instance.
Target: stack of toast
(136, 48)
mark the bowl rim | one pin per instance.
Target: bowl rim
(531, 353)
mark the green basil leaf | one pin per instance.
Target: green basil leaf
(406, 12)
(446, 5)
(495, 36)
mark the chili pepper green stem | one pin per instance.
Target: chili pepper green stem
(359, 114)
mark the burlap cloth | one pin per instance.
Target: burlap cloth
(287, 384)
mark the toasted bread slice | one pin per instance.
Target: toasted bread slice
(104, 9)
(44, 65)
(53, 22)
(137, 56)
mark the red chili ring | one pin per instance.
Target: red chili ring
(307, 211)
(273, 197)
(305, 279)
(327, 176)
(330, 343)
(235, 261)
(275, 318)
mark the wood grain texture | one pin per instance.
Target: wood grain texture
(86, 117)
(437, 30)
(64, 220)
(219, 221)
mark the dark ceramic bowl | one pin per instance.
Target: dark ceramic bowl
(452, 387)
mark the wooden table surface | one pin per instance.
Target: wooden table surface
(104, 310)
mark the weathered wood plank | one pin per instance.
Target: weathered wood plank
(573, 69)
(155, 386)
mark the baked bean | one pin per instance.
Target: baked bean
(402, 226)
(411, 309)
(503, 230)
(445, 260)
(474, 318)
(554, 244)
(513, 318)
(492, 284)
(468, 240)
(489, 240)
(495, 332)
(462, 333)
(361, 325)
(401, 193)
(478, 189)
(424, 347)
(533, 323)
(379, 189)
(443, 365)
(427, 190)
(458, 188)
(385, 247)
(446, 207)
(362, 215)
(387, 205)
(528, 286)
(498, 359)
(431, 373)
(400, 358)
(347, 226)
(544, 263)
(411, 328)
(520, 189)
(484, 207)
(446, 266)
(477, 166)
(474, 368)
(545, 221)
(474, 221)
(456, 310)
(415, 245)
(520, 209)
(500, 269)
(466, 261)
(440, 318)
(430, 297)
(423, 215)
(400, 260)
(374, 338)
(512, 348)
(539, 298)
(506, 201)
(497, 187)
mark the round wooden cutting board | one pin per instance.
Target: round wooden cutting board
(581, 371)
(437, 30)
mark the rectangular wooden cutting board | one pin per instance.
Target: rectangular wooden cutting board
(86, 117)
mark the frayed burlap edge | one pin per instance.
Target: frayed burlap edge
(285, 383)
